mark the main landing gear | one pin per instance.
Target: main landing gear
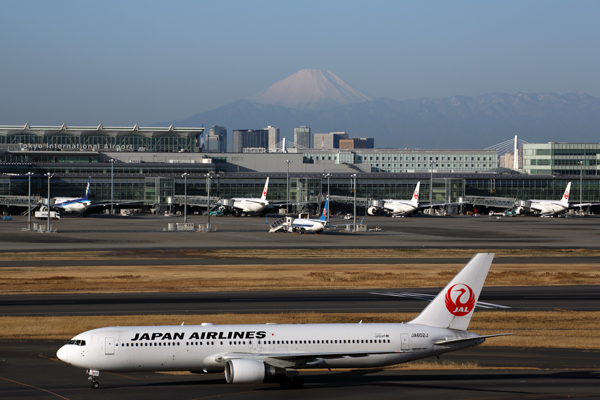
(92, 378)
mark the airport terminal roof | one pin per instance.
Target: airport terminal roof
(8, 130)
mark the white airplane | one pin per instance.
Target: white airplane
(312, 225)
(552, 207)
(399, 207)
(252, 205)
(74, 204)
(271, 352)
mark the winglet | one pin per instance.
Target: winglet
(264, 192)
(565, 198)
(453, 306)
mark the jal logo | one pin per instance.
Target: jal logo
(460, 300)
(566, 195)
(416, 195)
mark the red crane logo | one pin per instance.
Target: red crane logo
(455, 300)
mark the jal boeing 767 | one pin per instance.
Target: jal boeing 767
(273, 352)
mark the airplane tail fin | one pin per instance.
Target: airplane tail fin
(87, 190)
(415, 197)
(323, 216)
(565, 198)
(264, 192)
(453, 306)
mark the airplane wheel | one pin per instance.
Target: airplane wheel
(95, 385)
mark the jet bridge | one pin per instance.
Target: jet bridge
(497, 202)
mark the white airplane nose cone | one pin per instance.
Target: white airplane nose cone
(62, 353)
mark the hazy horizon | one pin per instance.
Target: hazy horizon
(140, 62)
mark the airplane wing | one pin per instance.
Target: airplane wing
(291, 360)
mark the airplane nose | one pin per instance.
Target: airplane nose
(63, 353)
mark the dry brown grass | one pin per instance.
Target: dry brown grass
(548, 329)
(334, 275)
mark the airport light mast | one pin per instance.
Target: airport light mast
(29, 202)
(184, 176)
(288, 162)
(328, 175)
(49, 175)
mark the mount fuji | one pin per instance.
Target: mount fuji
(311, 89)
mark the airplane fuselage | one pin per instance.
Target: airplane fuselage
(194, 348)
(308, 225)
(249, 205)
(548, 206)
(400, 206)
(72, 204)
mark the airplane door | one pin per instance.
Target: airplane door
(109, 348)
(404, 342)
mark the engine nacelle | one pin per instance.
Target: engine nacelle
(250, 371)
(373, 210)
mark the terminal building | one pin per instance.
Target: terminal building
(558, 158)
(146, 165)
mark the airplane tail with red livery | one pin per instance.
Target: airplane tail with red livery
(453, 306)
(415, 197)
(565, 198)
(263, 196)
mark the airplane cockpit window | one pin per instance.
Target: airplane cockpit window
(77, 342)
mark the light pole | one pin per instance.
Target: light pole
(354, 176)
(112, 186)
(581, 185)
(209, 176)
(431, 163)
(288, 162)
(185, 175)
(49, 175)
(328, 175)
(29, 202)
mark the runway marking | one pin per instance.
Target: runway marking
(35, 387)
(430, 297)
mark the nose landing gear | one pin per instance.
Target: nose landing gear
(92, 378)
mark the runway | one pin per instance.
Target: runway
(520, 298)
(28, 372)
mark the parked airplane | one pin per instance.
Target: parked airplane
(553, 207)
(312, 225)
(271, 352)
(74, 204)
(252, 205)
(399, 207)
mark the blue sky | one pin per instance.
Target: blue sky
(127, 62)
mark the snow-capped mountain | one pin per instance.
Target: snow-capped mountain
(311, 89)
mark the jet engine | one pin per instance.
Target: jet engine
(373, 210)
(251, 371)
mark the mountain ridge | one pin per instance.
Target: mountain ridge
(321, 100)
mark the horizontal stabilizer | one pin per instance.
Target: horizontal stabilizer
(446, 341)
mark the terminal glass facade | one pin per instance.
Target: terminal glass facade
(561, 158)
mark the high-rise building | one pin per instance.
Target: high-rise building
(273, 137)
(328, 141)
(245, 138)
(357, 143)
(216, 141)
(303, 137)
